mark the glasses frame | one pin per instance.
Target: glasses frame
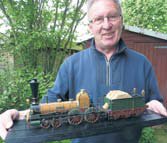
(110, 18)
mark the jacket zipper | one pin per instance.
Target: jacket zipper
(107, 72)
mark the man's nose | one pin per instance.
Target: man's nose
(106, 23)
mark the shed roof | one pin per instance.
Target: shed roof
(146, 32)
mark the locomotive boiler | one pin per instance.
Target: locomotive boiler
(117, 104)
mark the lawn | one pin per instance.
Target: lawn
(161, 134)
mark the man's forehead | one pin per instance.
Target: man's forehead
(99, 7)
(92, 2)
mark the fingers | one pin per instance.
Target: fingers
(14, 113)
(6, 121)
(22, 114)
(3, 131)
(9, 116)
(157, 107)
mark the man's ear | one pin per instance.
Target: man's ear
(123, 26)
(90, 27)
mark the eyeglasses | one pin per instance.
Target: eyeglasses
(99, 20)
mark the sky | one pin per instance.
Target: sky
(3, 28)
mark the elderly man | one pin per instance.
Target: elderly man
(107, 65)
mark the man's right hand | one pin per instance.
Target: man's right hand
(6, 120)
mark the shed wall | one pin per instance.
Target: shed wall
(150, 47)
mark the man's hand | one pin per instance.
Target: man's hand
(6, 120)
(157, 107)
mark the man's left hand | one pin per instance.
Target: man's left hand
(157, 107)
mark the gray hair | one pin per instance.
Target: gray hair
(91, 2)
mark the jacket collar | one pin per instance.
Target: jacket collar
(121, 48)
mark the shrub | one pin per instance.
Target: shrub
(147, 135)
(15, 89)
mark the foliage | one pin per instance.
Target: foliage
(15, 89)
(160, 133)
(39, 29)
(147, 136)
(146, 14)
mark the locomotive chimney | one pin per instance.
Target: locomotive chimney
(34, 88)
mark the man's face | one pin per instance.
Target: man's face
(107, 31)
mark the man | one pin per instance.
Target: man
(107, 65)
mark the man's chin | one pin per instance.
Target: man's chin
(109, 45)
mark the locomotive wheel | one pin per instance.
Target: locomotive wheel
(56, 123)
(91, 115)
(75, 117)
(45, 123)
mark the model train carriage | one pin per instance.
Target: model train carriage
(124, 106)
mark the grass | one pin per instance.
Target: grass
(161, 134)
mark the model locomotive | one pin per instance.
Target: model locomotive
(117, 104)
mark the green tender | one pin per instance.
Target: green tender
(123, 104)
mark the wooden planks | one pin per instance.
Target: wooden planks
(21, 133)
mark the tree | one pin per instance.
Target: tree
(150, 14)
(40, 30)
(38, 38)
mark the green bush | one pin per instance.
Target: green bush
(147, 135)
(15, 88)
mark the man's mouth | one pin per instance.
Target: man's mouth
(108, 35)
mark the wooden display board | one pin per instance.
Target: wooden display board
(21, 133)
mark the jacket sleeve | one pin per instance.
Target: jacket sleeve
(60, 88)
(152, 88)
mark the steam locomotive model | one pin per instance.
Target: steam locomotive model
(117, 104)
